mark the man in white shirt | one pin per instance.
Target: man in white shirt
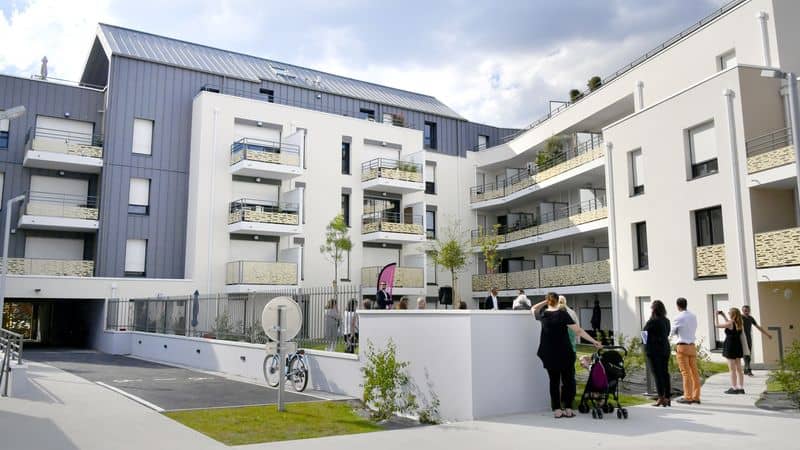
(685, 328)
(491, 300)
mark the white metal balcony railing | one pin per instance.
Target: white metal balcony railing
(259, 150)
(404, 277)
(51, 204)
(66, 142)
(392, 169)
(264, 211)
(391, 222)
(50, 267)
(261, 273)
(595, 272)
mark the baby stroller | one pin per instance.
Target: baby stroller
(606, 372)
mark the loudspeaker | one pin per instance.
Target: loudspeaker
(445, 295)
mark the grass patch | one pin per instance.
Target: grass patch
(255, 424)
(775, 386)
(712, 368)
(624, 399)
(340, 346)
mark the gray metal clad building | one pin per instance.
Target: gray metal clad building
(141, 75)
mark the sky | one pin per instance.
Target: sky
(495, 62)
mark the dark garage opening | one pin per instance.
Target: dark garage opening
(53, 322)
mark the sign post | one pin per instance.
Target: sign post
(281, 358)
(281, 320)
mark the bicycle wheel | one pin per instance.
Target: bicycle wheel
(299, 374)
(271, 370)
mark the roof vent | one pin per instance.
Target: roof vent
(282, 71)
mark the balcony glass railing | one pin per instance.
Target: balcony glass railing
(392, 222)
(558, 219)
(771, 150)
(50, 267)
(595, 272)
(392, 169)
(260, 150)
(261, 272)
(544, 170)
(68, 206)
(404, 277)
(779, 248)
(66, 142)
(264, 211)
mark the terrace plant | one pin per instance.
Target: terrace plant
(788, 375)
(337, 244)
(552, 151)
(488, 242)
(387, 384)
(575, 95)
(594, 83)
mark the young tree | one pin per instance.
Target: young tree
(488, 242)
(337, 243)
(452, 253)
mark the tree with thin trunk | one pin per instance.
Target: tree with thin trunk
(452, 253)
(488, 242)
(337, 244)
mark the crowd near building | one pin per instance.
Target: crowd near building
(172, 167)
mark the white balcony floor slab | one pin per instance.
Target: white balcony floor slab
(250, 168)
(553, 235)
(561, 290)
(264, 229)
(790, 273)
(771, 176)
(246, 288)
(392, 238)
(392, 186)
(61, 161)
(31, 222)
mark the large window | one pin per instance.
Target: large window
(644, 310)
(345, 158)
(640, 239)
(367, 114)
(143, 136)
(135, 257)
(553, 260)
(430, 178)
(269, 93)
(139, 196)
(429, 135)
(430, 224)
(708, 223)
(637, 172)
(430, 269)
(591, 254)
(4, 133)
(703, 150)
(346, 208)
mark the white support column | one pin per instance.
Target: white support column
(762, 22)
(612, 240)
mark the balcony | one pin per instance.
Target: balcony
(407, 280)
(590, 273)
(50, 267)
(268, 159)
(63, 150)
(63, 212)
(769, 151)
(392, 228)
(566, 221)
(260, 273)
(524, 183)
(710, 261)
(391, 175)
(265, 218)
(778, 248)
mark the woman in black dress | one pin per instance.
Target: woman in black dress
(555, 351)
(657, 350)
(732, 348)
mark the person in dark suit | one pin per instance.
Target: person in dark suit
(597, 315)
(383, 297)
(657, 349)
(491, 301)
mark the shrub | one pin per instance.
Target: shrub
(387, 384)
(553, 150)
(788, 376)
(594, 83)
(575, 95)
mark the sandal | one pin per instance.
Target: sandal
(569, 413)
(558, 413)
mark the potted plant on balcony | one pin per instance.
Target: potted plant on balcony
(575, 95)
(594, 83)
(552, 151)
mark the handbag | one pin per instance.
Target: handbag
(745, 347)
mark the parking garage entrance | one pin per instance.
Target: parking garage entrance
(53, 322)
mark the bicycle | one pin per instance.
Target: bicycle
(296, 370)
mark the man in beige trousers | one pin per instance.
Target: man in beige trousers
(685, 328)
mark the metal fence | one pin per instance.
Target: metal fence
(237, 317)
(771, 141)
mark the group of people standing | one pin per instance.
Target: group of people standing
(736, 346)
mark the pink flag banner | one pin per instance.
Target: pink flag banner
(387, 275)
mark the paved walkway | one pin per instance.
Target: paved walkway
(63, 411)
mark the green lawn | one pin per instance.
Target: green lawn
(254, 424)
(340, 346)
(775, 386)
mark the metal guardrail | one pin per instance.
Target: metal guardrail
(392, 217)
(771, 141)
(641, 59)
(263, 145)
(249, 204)
(11, 345)
(58, 204)
(557, 214)
(70, 137)
(386, 163)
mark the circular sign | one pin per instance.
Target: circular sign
(292, 318)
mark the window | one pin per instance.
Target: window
(346, 208)
(367, 114)
(430, 178)
(135, 257)
(555, 260)
(431, 270)
(640, 239)
(429, 135)
(726, 60)
(591, 254)
(483, 141)
(345, 158)
(139, 196)
(269, 93)
(708, 226)
(644, 310)
(143, 136)
(2, 186)
(4, 133)
(346, 276)
(637, 172)
(719, 302)
(703, 150)
(430, 224)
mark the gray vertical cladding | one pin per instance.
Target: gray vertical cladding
(40, 98)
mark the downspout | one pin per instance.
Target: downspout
(211, 202)
(612, 242)
(762, 22)
(737, 192)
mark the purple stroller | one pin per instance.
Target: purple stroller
(605, 374)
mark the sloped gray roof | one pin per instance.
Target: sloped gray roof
(160, 49)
